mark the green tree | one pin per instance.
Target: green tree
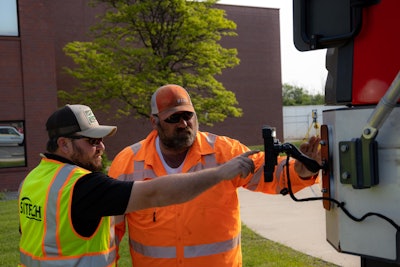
(139, 45)
(297, 96)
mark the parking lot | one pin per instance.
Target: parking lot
(12, 154)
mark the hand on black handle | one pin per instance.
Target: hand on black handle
(291, 150)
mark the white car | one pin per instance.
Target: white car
(9, 135)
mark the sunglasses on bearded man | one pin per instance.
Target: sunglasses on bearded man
(176, 117)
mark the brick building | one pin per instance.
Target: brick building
(31, 63)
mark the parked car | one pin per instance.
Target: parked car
(9, 135)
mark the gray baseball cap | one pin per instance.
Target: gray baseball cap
(77, 119)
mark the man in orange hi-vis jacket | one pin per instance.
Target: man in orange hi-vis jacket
(206, 230)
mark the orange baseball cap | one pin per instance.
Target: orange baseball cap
(169, 99)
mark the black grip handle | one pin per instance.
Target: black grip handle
(270, 155)
(311, 164)
(272, 148)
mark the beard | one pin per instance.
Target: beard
(90, 165)
(180, 138)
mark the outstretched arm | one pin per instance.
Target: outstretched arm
(182, 187)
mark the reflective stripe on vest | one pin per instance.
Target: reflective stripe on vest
(210, 249)
(153, 251)
(93, 260)
(51, 224)
(53, 255)
(189, 251)
(211, 139)
(280, 176)
(140, 172)
(255, 179)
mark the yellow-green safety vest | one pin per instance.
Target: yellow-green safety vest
(48, 237)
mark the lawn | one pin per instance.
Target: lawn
(257, 251)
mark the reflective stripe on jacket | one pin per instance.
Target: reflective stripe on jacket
(48, 237)
(204, 231)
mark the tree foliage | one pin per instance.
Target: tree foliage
(139, 45)
(297, 96)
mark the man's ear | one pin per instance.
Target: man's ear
(154, 121)
(63, 144)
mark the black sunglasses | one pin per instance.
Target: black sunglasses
(91, 141)
(175, 118)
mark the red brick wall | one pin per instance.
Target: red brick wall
(31, 67)
(28, 84)
(257, 80)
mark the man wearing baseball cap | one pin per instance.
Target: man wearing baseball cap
(206, 230)
(65, 203)
(170, 99)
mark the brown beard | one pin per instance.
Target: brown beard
(77, 159)
(182, 138)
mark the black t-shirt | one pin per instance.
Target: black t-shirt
(96, 195)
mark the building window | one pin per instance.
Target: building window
(8, 18)
(12, 144)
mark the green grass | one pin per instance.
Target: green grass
(257, 251)
(9, 234)
(261, 252)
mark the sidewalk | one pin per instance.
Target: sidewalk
(299, 225)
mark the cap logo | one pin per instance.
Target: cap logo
(90, 117)
(170, 99)
(181, 101)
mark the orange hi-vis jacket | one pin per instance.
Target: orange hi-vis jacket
(48, 237)
(206, 230)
